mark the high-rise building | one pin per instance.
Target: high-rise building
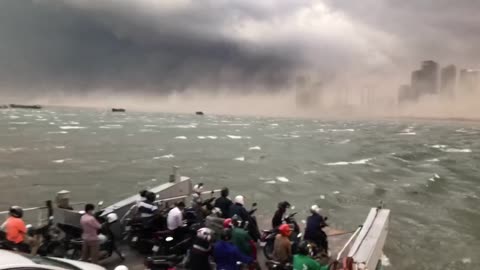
(430, 72)
(416, 83)
(425, 80)
(448, 80)
(469, 80)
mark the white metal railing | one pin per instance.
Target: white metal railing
(35, 215)
(340, 253)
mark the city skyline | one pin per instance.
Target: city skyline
(432, 79)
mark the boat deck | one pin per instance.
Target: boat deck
(134, 260)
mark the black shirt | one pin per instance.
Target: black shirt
(224, 204)
(277, 219)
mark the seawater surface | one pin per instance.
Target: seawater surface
(426, 173)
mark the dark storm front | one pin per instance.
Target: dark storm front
(427, 174)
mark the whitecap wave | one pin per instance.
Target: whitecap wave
(234, 137)
(187, 126)
(455, 150)
(72, 127)
(165, 156)
(212, 137)
(310, 172)
(407, 133)
(239, 124)
(438, 146)
(344, 141)
(19, 123)
(60, 147)
(239, 159)
(343, 130)
(61, 160)
(336, 192)
(356, 162)
(282, 179)
(111, 126)
(432, 160)
(255, 148)
(57, 132)
(201, 137)
(181, 137)
(271, 182)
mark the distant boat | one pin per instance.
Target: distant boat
(19, 106)
(199, 113)
(118, 110)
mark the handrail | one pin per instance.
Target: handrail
(348, 242)
(38, 208)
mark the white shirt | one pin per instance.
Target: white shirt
(174, 219)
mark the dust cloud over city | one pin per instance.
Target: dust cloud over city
(321, 58)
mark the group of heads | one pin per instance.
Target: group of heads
(234, 222)
(148, 195)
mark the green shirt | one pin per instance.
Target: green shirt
(241, 240)
(302, 262)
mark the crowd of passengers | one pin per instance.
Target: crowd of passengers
(224, 237)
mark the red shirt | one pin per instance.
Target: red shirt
(15, 229)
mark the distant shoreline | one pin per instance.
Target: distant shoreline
(438, 119)
(313, 117)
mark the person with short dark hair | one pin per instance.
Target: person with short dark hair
(91, 242)
(147, 207)
(224, 203)
(278, 216)
(175, 221)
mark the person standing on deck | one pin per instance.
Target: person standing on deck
(91, 241)
(224, 203)
(175, 221)
(238, 208)
(278, 216)
(314, 229)
(147, 207)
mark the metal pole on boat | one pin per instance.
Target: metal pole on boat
(174, 176)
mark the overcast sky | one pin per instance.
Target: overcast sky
(239, 45)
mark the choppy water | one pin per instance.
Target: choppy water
(427, 173)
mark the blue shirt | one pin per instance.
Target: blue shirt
(314, 223)
(227, 255)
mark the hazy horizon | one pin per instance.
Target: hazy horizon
(236, 57)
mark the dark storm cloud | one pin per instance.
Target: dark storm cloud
(441, 29)
(69, 45)
(160, 46)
